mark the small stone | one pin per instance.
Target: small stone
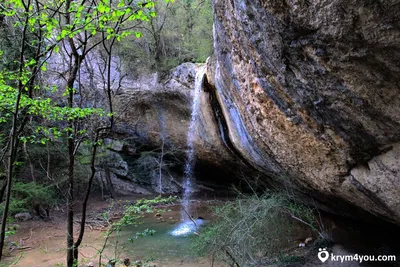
(157, 215)
(308, 240)
(23, 216)
(301, 245)
(90, 264)
(319, 52)
(171, 218)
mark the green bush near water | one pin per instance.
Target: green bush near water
(253, 231)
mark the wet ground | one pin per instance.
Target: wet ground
(44, 243)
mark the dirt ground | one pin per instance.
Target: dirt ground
(43, 243)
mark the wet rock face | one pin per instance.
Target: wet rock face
(310, 92)
(150, 110)
(153, 118)
(162, 111)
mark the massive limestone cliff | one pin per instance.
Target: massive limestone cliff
(301, 95)
(311, 97)
(152, 122)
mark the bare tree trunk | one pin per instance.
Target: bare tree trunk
(161, 164)
(10, 174)
(101, 182)
(13, 142)
(70, 201)
(109, 183)
(109, 232)
(109, 51)
(3, 190)
(4, 183)
(28, 156)
(71, 250)
(110, 105)
(48, 161)
(89, 189)
(71, 132)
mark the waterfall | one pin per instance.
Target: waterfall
(188, 181)
(191, 150)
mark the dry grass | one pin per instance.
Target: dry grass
(254, 231)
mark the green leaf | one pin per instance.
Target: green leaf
(43, 67)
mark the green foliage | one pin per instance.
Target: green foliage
(146, 232)
(134, 212)
(16, 206)
(34, 192)
(132, 217)
(94, 19)
(14, 262)
(38, 29)
(253, 230)
(30, 104)
(105, 19)
(181, 32)
(25, 195)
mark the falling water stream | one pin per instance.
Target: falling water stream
(188, 225)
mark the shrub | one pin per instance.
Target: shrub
(132, 215)
(29, 196)
(253, 231)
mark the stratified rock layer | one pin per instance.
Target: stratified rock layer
(310, 94)
(154, 115)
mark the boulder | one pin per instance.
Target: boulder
(120, 186)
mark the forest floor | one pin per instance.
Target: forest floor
(40, 243)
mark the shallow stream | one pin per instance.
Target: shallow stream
(163, 248)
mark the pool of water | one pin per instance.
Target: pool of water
(170, 241)
(165, 248)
